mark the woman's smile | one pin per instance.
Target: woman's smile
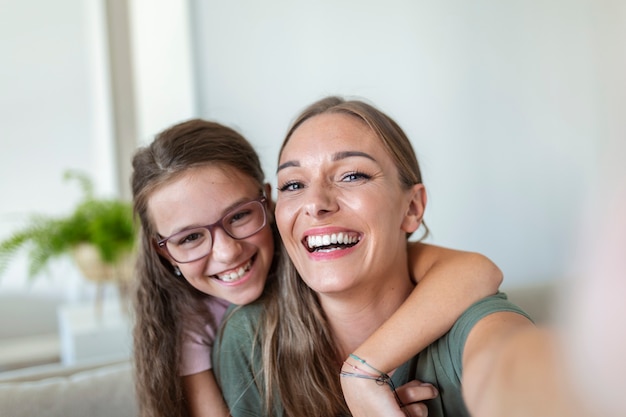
(340, 206)
(331, 241)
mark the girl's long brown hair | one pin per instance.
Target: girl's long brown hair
(163, 302)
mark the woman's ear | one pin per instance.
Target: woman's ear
(415, 210)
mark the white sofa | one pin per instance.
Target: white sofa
(89, 390)
(33, 382)
(105, 388)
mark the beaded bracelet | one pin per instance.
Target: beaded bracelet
(381, 379)
(356, 358)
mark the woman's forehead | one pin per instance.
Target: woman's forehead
(331, 131)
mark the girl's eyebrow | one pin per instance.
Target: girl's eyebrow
(336, 157)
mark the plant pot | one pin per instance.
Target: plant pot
(92, 267)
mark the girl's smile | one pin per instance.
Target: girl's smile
(234, 269)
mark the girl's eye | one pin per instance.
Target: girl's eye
(355, 176)
(291, 186)
(190, 238)
(239, 216)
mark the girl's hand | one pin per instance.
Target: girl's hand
(412, 394)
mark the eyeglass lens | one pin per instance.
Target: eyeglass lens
(240, 223)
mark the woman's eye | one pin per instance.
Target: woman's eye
(355, 176)
(291, 186)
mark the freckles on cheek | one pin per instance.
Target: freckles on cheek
(281, 221)
(284, 219)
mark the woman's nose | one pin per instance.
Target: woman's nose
(321, 200)
(225, 248)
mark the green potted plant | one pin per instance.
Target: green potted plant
(99, 235)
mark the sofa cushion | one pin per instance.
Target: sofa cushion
(103, 391)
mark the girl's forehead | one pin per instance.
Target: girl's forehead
(214, 174)
(212, 182)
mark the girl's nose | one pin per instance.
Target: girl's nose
(225, 248)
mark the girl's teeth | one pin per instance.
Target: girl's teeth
(235, 275)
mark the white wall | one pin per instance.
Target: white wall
(56, 105)
(163, 66)
(53, 112)
(503, 101)
(508, 103)
(52, 104)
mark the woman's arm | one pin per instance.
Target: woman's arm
(203, 396)
(449, 281)
(512, 368)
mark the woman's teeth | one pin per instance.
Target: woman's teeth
(341, 238)
(235, 274)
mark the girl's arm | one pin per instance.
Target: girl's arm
(203, 396)
(449, 281)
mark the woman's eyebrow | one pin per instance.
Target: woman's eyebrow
(288, 164)
(348, 154)
(336, 157)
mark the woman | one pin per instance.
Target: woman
(346, 169)
(207, 240)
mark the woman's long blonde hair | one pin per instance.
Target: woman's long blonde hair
(300, 360)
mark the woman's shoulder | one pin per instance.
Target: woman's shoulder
(454, 340)
(482, 308)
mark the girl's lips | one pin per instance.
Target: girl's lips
(235, 273)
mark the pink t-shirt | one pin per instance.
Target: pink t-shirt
(196, 349)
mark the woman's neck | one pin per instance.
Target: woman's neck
(354, 317)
